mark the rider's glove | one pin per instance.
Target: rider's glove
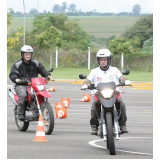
(50, 78)
(84, 86)
(22, 81)
(25, 81)
(18, 81)
(127, 82)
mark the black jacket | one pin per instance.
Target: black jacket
(27, 71)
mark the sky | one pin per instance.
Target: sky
(101, 6)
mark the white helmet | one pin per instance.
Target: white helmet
(26, 48)
(104, 53)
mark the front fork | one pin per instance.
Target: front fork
(39, 109)
(103, 124)
(116, 124)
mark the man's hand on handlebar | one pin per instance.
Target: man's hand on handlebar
(84, 87)
(127, 82)
(22, 81)
(49, 78)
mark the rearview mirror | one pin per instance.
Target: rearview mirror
(126, 72)
(82, 76)
(51, 70)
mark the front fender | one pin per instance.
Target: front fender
(43, 93)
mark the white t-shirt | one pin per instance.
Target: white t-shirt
(97, 75)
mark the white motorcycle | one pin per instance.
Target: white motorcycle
(106, 97)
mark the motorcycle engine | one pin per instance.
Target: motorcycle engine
(32, 114)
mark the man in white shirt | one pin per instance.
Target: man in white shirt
(105, 73)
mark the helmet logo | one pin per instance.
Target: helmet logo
(101, 54)
(28, 49)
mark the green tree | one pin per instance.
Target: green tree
(119, 45)
(33, 11)
(9, 17)
(64, 6)
(72, 34)
(136, 9)
(143, 28)
(72, 7)
(50, 38)
(56, 8)
(13, 39)
(148, 45)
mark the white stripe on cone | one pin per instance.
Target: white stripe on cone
(38, 133)
(59, 106)
(60, 114)
(65, 103)
(84, 99)
(40, 123)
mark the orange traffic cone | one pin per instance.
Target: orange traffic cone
(86, 98)
(51, 89)
(40, 134)
(59, 105)
(66, 102)
(61, 113)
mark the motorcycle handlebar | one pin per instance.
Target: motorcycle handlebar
(91, 87)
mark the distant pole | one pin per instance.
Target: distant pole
(122, 62)
(37, 7)
(51, 60)
(88, 57)
(56, 57)
(24, 24)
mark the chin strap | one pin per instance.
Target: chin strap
(105, 68)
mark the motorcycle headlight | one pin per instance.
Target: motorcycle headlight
(107, 93)
(40, 87)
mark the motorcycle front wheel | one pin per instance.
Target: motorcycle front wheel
(110, 136)
(48, 117)
(22, 126)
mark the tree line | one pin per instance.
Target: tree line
(71, 10)
(50, 31)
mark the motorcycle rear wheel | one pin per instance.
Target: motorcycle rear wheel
(48, 117)
(110, 136)
(22, 126)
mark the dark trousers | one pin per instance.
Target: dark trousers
(119, 104)
(22, 95)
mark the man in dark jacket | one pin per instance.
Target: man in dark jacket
(27, 68)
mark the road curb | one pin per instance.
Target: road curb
(135, 84)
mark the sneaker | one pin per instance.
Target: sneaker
(21, 117)
(94, 130)
(123, 129)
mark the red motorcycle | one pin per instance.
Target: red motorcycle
(35, 104)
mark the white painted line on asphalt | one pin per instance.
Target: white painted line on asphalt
(95, 145)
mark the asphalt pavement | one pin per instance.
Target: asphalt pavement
(71, 138)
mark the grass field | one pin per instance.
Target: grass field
(98, 26)
(73, 73)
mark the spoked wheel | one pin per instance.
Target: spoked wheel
(22, 126)
(110, 136)
(48, 117)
